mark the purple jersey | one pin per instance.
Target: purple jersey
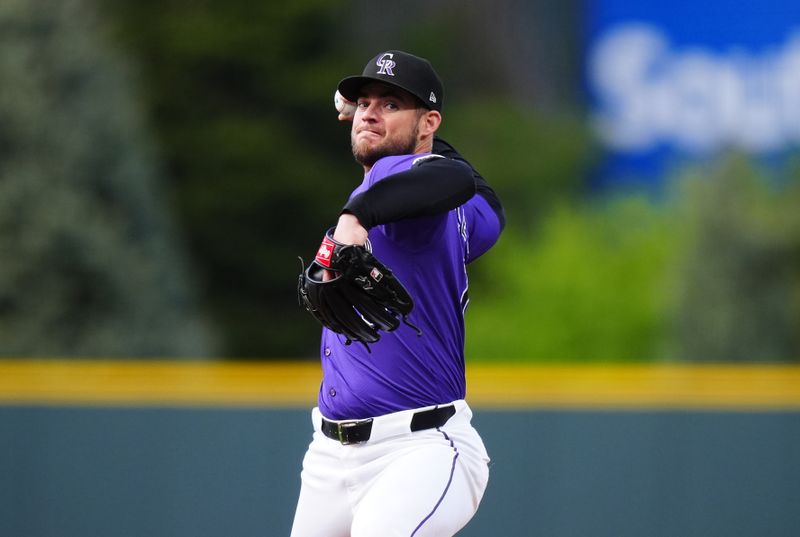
(404, 370)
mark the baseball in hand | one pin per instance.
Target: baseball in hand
(346, 109)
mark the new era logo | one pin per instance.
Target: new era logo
(432, 98)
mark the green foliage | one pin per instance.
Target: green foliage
(91, 265)
(711, 273)
(591, 284)
(739, 294)
(532, 160)
(241, 99)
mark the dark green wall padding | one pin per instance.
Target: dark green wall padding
(210, 472)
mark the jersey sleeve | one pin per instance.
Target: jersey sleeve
(483, 226)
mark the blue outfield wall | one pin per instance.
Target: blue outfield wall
(82, 471)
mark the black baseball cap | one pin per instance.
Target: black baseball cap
(400, 69)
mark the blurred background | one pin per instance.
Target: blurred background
(164, 163)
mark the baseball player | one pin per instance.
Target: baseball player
(393, 451)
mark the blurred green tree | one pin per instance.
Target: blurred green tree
(240, 96)
(592, 283)
(739, 293)
(534, 160)
(91, 265)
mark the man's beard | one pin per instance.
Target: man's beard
(368, 156)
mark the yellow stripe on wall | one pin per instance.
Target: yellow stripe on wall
(295, 384)
(636, 386)
(159, 383)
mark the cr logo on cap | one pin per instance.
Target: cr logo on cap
(386, 64)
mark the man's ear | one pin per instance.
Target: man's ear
(429, 124)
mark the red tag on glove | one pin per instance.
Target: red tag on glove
(325, 252)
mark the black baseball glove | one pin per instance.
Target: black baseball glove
(362, 296)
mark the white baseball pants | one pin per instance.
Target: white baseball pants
(398, 484)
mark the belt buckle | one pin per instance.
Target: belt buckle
(342, 427)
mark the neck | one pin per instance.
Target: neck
(424, 146)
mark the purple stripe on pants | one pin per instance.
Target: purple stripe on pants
(446, 488)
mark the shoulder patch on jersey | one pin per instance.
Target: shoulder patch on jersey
(420, 160)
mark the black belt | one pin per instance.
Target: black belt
(358, 431)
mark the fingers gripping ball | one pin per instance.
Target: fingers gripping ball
(362, 298)
(346, 109)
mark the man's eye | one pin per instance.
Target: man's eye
(392, 106)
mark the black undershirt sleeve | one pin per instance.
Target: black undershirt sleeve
(432, 186)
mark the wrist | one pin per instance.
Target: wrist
(350, 231)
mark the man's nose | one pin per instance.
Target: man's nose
(371, 112)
